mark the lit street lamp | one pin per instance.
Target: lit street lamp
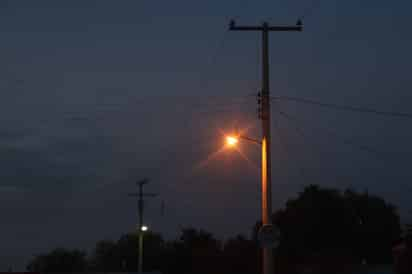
(267, 233)
(141, 230)
(231, 140)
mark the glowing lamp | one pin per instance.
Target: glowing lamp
(231, 141)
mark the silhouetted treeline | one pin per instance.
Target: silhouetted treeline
(325, 230)
(403, 256)
(322, 230)
(196, 251)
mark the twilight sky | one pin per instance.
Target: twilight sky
(95, 95)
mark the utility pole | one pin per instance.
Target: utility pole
(141, 228)
(264, 115)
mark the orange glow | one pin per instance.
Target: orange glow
(266, 203)
(249, 162)
(209, 158)
(231, 140)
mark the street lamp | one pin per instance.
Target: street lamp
(267, 232)
(141, 230)
(232, 140)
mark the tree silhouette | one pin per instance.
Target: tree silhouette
(196, 251)
(327, 229)
(322, 230)
(123, 254)
(59, 260)
(105, 257)
(240, 255)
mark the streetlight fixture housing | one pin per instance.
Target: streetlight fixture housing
(232, 140)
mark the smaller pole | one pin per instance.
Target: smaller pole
(140, 266)
(141, 195)
(139, 229)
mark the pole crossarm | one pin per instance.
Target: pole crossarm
(266, 27)
(136, 194)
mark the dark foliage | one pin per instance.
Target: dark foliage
(322, 230)
(329, 230)
(123, 254)
(241, 255)
(196, 251)
(59, 260)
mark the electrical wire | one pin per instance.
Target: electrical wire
(189, 103)
(342, 107)
(285, 147)
(303, 136)
(378, 154)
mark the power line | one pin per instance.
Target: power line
(378, 154)
(201, 105)
(343, 107)
(303, 134)
(345, 141)
(301, 170)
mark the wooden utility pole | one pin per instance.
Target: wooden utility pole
(141, 228)
(264, 115)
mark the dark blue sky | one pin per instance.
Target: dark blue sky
(98, 94)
